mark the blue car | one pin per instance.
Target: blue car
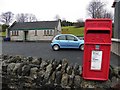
(67, 41)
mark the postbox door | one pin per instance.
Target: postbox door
(96, 66)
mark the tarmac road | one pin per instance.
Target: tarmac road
(44, 50)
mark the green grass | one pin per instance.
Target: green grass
(73, 30)
(2, 33)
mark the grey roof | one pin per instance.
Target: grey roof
(34, 25)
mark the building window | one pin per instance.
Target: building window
(15, 33)
(35, 32)
(51, 32)
(48, 32)
(45, 33)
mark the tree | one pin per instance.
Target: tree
(25, 17)
(0, 28)
(31, 18)
(6, 17)
(57, 17)
(80, 23)
(22, 17)
(95, 9)
(108, 14)
(4, 27)
(66, 23)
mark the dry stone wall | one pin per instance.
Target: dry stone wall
(29, 73)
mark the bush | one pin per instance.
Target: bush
(4, 27)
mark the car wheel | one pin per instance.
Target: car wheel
(56, 47)
(82, 47)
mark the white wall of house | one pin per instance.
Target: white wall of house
(31, 36)
(40, 35)
(20, 37)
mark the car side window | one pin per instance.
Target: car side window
(71, 38)
(63, 37)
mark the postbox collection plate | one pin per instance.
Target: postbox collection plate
(96, 60)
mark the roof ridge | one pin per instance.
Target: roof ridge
(37, 21)
(37, 24)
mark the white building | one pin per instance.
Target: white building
(34, 31)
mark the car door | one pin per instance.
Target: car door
(72, 42)
(62, 41)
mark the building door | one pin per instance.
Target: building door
(26, 35)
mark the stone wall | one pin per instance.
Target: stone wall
(29, 73)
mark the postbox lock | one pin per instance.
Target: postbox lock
(97, 47)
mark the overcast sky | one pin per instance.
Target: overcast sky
(70, 10)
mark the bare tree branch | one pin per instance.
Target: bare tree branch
(31, 18)
(25, 17)
(57, 17)
(95, 8)
(22, 17)
(107, 14)
(6, 17)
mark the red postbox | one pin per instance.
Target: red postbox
(97, 37)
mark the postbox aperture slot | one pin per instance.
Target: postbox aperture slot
(99, 31)
(99, 36)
